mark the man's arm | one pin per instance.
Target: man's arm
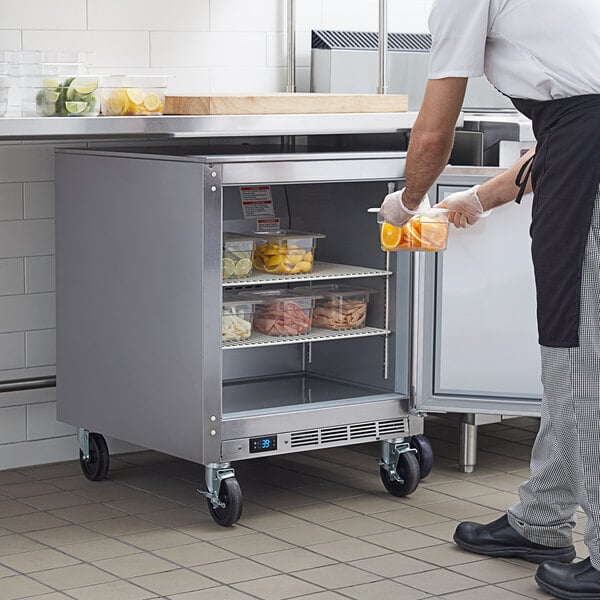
(432, 136)
(502, 188)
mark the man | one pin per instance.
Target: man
(545, 55)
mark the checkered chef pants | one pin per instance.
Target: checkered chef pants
(565, 460)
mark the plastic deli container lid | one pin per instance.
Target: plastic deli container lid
(85, 83)
(288, 234)
(280, 295)
(137, 81)
(334, 290)
(230, 236)
(234, 299)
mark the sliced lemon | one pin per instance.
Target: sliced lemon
(152, 101)
(75, 108)
(243, 267)
(228, 268)
(390, 237)
(135, 95)
(117, 102)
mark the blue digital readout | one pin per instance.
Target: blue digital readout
(263, 444)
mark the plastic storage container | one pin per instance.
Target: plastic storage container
(39, 71)
(427, 232)
(238, 252)
(281, 312)
(67, 96)
(128, 95)
(236, 318)
(340, 307)
(285, 252)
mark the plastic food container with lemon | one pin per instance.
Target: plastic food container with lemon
(129, 95)
(285, 252)
(236, 317)
(338, 306)
(238, 252)
(281, 312)
(57, 96)
(427, 232)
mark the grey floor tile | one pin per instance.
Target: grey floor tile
(383, 590)
(278, 587)
(235, 570)
(63, 578)
(113, 590)
(21, 586)
(337, 576)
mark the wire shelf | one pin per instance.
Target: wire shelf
(321, 270)
(315, 335)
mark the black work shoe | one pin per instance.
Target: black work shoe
(570, 582)
(498, 538)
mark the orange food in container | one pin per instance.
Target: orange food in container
(426, 232)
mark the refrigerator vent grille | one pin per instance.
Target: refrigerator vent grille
(373, 430)
(363, 430)
(305, 438)
(334, 434)
(392, 427)
(368, 40)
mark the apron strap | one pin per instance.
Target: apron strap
(523, 178)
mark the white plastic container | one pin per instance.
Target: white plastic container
(129, 95)
(236, 318)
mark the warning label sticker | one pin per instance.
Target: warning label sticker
(257, 201)
(268, 224)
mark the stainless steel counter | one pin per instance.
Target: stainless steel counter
(16, 128)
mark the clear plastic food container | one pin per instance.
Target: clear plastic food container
(238, 252)
(128, 95)
(281, 312)
(74, 96)
(236, 318)
(427, 232)
(340, 307)
(285, 252)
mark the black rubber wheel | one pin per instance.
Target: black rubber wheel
(408, 470)
(424, 450)
(96, 468)
(231, 495)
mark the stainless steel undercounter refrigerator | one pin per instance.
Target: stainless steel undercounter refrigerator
(141, 276)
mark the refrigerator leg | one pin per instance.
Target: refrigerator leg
(83, 437)
(223, 494)
(468, 444)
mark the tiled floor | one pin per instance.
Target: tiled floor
(316, 526)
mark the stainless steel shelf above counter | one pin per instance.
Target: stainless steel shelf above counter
(172, 126)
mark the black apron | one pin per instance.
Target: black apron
(565, 176)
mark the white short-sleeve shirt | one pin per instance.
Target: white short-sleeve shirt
(536, 49)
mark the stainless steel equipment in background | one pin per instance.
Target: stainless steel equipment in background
(347, 62)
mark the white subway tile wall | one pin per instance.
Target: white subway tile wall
(205, 46)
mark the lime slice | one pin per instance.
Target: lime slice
(228, 268)
(51, 96)
(51, 84)
(75, 108)
(81, 87)
(243, 267)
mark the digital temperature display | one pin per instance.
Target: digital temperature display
(263, 444)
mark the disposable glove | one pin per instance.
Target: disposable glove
(464, 208)
(394, 212)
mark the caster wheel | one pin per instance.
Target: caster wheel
(408, 470)
(424, 453)
(230, 494)
(96, 467)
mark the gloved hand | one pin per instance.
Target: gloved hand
(394, 212)
(464, 207)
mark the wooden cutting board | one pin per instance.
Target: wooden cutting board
(270, 104)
